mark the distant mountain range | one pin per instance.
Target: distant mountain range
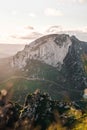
(7, 50)
(54, 63)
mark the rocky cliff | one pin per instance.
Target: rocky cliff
(73, 66)
(51, 49)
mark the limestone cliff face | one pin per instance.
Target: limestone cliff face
(50, 49)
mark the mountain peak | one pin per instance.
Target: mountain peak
(50, 49)
(48, 37)
(73, 37)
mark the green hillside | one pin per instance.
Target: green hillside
(18, 88)
(37, 75)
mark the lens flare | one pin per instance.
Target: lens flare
(4, 92)
(85, 94)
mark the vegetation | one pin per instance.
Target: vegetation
(40, 112)
(20, 87)
(84, 59)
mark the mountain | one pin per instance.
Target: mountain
(54, 63)
(50, 49)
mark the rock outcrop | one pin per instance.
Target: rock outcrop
(50, 49)
(40, 112)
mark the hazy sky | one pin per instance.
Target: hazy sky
(24, 20)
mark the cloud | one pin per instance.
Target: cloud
(54, 29)
(80, 33)
(31, 36)
(59, 28)
(29, 27)
(52, 12)
(33, 15)
(14, 36)
(82, 1)
(66, 1)
(72, 1)
(14, 12)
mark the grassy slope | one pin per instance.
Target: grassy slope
(48, 81)
(19, 88)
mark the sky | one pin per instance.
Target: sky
(22, 21)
